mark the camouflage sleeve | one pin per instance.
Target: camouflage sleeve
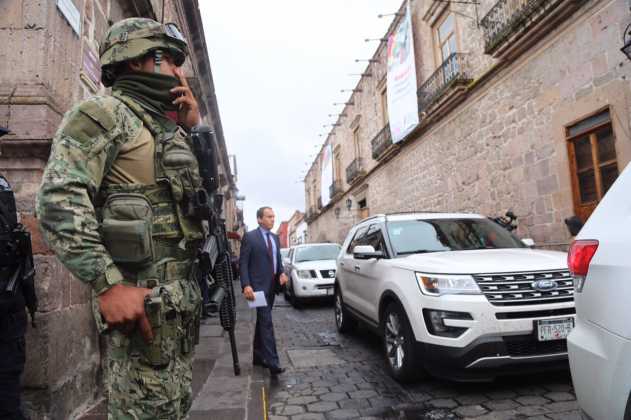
(83, 149)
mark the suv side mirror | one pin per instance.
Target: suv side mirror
(529, 242)
(366, 252)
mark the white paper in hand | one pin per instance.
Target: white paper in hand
(259, 300)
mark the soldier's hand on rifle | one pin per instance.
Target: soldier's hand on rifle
(188, 109)
(283, 279)
(123, 308)
(248, 292)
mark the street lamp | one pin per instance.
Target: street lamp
(389, 14)
(365, 74)
(350, 103)
(370, 60)
(351, 90)
(376, 39)
(626, 49)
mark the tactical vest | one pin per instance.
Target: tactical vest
(152, 236)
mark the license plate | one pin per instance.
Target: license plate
(554, 329)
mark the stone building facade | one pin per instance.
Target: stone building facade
(49, 61)
(524, 105)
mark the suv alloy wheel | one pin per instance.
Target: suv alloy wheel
(293, 299)
(398, 342)
(343, 320)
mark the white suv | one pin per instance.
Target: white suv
(600, 346)
(455, 295)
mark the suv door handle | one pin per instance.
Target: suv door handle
(357, 268)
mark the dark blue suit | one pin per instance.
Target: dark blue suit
(257, 270)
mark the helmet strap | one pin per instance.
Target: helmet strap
(157, 59)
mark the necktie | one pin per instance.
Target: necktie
(270, 250)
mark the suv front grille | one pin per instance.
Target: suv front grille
(518, 288)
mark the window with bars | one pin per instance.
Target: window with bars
(593, 161)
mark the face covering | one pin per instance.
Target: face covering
(151, 91)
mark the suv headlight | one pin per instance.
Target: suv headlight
(304, 274)
(447, 284)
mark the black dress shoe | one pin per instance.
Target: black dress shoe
(276, 370)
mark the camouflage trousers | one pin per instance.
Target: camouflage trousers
(137, 391)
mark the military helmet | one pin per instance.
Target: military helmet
(133, 38)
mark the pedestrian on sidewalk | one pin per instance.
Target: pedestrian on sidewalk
(108, 214)
(261, 269)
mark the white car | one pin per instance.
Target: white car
(600, 345)
(311, 271)
(455, 295)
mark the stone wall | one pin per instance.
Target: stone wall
(503, 147)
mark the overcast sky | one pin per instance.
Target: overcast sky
(278, 67)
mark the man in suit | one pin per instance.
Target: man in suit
(261, 269)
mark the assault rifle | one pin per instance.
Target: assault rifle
(215, 269)
(17, 271)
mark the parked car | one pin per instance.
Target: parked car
(454, 295)
(600, 345)
(284, 254)
(311, 271)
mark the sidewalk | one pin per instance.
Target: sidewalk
(218, 393)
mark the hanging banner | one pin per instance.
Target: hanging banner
(326, 179)
(401, 80)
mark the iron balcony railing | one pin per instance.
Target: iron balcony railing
(335, 188)
(354, 170)
(453, 71)
(508, 17)
(381, 142)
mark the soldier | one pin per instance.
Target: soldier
(115, 206)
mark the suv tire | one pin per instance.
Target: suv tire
(399, 345)
(344, 321)
(294, 300)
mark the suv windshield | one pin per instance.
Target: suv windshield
(435, 235)
(319, 252)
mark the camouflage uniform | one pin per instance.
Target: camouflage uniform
(114, 206)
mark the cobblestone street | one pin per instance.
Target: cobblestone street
(330, 376)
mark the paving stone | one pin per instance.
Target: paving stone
(357, 403)
(470, 411)
(500, 415)
(343, 388)
(322, 407)
(302, 400)
(559, 396)
(532, 410)
(471, 399)
(559, 407)
(443, 403)
(569, 415)
(343, 414)
(499, 405)
(363, 393)
(333, 396)
(278, 418)
(532, 400)
(319, 391)
(383, 402)
(530, 390)
(290, 410)
(281, 395)
(324, 384)
(309, 416)
(365, 385)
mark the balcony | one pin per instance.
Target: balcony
(335, 188)
(508, 21)
(355, 170)
(450, 78)
(382, 143)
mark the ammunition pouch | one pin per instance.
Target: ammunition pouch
(126, 229)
